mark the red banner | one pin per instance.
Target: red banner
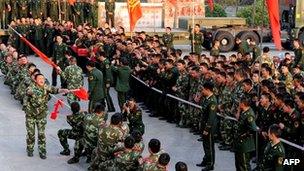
(211, 5)
(274, 17)
(135, 12)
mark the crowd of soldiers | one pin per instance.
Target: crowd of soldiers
(247, 100)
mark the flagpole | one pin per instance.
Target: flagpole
(15, 31)
(192, 26)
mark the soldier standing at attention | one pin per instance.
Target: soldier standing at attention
(298, 52)
(274, 152)
(59, 57)
(54, 10)
(23, 8)
(75, 120)
(96, 86)
(73, 78)
(36, 113)
(78, 12)
(197, 39)
(215, 52)
(110, 9)
(123, 73)
(168, 38)
(104, 65)
(208, 125)
(244, 144)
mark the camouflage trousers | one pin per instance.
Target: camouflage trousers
(30, 124)
(227, 129)
(90, 143)
(194, 117)
(100, 157)
(184, 115)
(65, 134)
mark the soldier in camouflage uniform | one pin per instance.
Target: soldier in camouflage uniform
(92, 125)
(73, 77)
(182, 91)
(134, 115)
(75, 120)
(155, 151)
(14, 10)
(197, 39)
(21, 71)
(161, 165)
(36, 113)
(124, 160)
(108, 138)
(168, 38)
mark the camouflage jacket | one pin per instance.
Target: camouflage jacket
(108, 138)
(37, 99)
(182, 85)
(73, 76)
(92, 123)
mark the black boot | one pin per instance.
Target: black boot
(73, 160)
(65, 152)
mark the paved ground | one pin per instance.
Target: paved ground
(179, 143)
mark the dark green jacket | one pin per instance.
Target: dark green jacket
(96, 85)
(123, 74)
(273, 157)
(208, 118)
(246, 131)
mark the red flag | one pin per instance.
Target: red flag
(38, 52)
(135, 13)
(71, 2)
(274, 17)
(211, 5)
(55, 112)
(173, 2)
(81, 93)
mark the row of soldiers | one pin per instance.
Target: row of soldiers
(80, 11)
(115, 146)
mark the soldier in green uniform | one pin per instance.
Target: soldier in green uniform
(197, 39)
(65, 10)
(123, 73)
(243, 47)
(94, 4)
(54, 10)
(3, 8)
(256, 51)
(36, 113)
(73, 77)
(96, 86)
(23, 7)
(208, 125)
(93, 123)
(110, 12)
(60, 51)
(168, 38)
(14, 10)
(274, 152)
(104, 65)
(23, 30)
(87, 14)
(49, 34)
(298, 52)
(215, 52)
(78, 12)
(244, 138)
(75, 120)
(107, 140)
(38, 9)
(38, 35)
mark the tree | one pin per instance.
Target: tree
(226, 3)
(217, 12)
(261, 15)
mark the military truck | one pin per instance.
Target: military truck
(292, 19)
(226, 30)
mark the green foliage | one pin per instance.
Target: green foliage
(217, 12)
(261, 16)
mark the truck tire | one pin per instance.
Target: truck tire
(250, 35)
(226, 40)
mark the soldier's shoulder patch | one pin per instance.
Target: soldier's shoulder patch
(91, 78)
(296, 124)
(250, 118)
(107, 66)
(213, 107)
(280, 160)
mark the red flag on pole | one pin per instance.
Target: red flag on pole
(38, 52)
(135, 12)
(57, 106)
(81, 93)
(211, 5)
(274, 17)
(173, 2)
